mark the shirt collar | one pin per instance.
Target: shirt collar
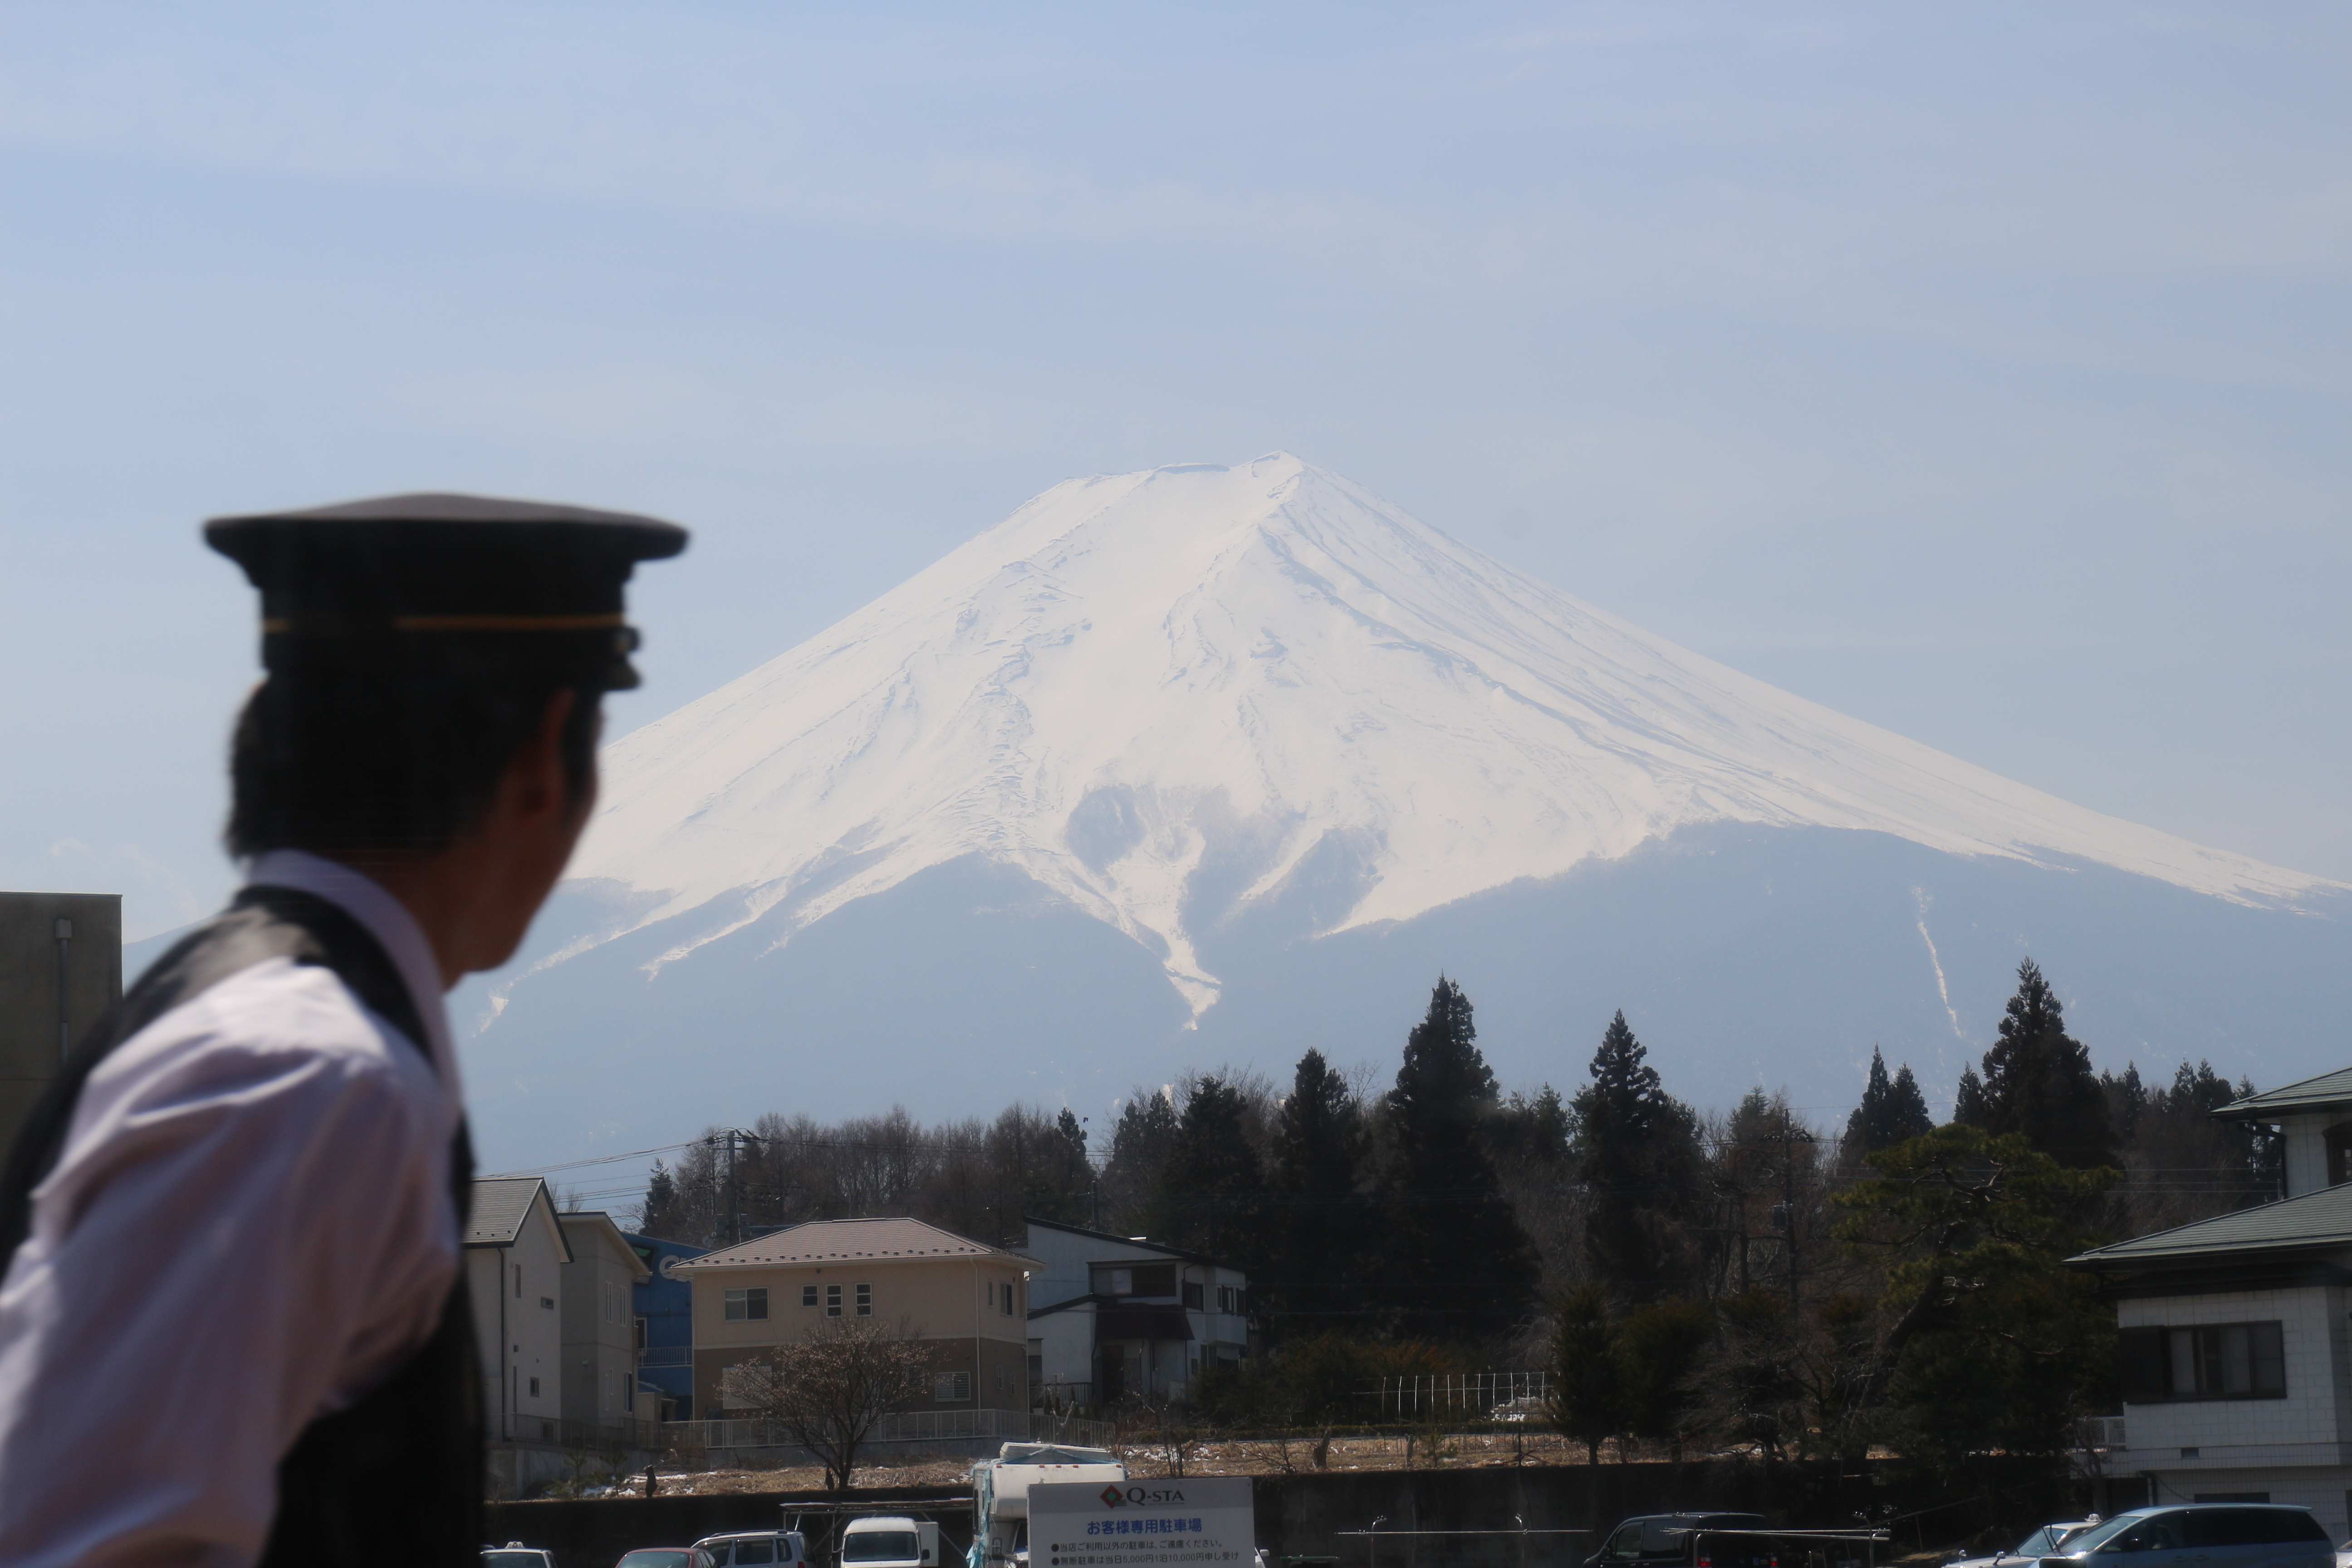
(388, 920)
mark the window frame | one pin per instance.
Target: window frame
(833, 1300)
(865, 1296)
(2158, 1359)
(952, 1388)
(751, 1299)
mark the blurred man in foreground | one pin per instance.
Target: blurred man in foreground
(233, 1322)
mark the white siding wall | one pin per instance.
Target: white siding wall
(2311, 1412)
(2307, 1152)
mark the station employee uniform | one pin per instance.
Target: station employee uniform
(233, 1320)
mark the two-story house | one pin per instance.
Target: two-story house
(664, 1311)
(515, 1253)
(966, 1300)
(2237, 1363)
(598, 1314)
(1118, 1318)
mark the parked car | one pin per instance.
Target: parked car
(887, 1540)
(1660, 1539)
(2046, 1542)
(2201, 1535)
(515, 1554)
(667, 1557)
(756, 1549)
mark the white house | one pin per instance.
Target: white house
(515, 1254)
(2237, 1373)
(1118, 1318)
(599, 1321)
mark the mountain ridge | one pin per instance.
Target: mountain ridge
(1168, 695)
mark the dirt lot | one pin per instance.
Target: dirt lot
(1145, 1460)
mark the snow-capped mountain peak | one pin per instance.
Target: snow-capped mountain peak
(1172, 697)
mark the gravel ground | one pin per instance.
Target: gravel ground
(1147, 1460)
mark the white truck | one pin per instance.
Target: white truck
(1000, 1494)
(889, 1541)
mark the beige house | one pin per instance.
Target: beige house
(515, 1254)
(966, 1300)
(599, 1322)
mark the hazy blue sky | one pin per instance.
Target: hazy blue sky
(1979, 370)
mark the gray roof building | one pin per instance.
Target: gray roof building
(500, 1207)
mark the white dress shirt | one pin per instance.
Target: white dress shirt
(249, 1227)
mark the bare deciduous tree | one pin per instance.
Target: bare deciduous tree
(829, 1390)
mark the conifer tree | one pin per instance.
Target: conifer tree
(1139, 1146)
(1588, 1401)
(1969, 1100)
(1322, 1220)
(2038, 1080)
(1210, 1184)
(1638, 1157)
(1458, 1262)
(1892, 1111)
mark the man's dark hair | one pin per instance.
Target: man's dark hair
(397, 761)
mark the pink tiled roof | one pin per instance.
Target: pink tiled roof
(853, 1241)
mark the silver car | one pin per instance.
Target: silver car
(2046, 1542)
(2201, 1535)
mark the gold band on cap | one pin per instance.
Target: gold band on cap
(279, 626)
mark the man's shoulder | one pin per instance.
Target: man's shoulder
(276, 1011)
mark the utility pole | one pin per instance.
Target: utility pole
(732, 1224)
(1784, 1217)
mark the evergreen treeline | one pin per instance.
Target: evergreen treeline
(1750, 1276)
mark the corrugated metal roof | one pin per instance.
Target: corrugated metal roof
(2329, 1089)
(2320, 1219)
(499, 1204)
(852, 1241)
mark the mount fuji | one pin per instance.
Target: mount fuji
(1209, 764)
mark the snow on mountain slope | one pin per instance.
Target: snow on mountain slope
(1161, 693)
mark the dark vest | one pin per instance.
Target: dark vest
(396, 1477)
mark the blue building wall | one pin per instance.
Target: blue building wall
(664, 1310)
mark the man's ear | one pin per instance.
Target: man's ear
(536, 775)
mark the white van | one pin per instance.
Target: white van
(891, 1540)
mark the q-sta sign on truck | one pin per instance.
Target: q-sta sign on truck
(1197, 1523)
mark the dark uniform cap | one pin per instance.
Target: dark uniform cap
(519, 583)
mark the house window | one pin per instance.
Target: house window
(518, 1281)
(2212, 1361)
(1229, 1299)
(747, 1306)
(808, 1295)
(612, 1298)
(546, 1303)
(534, 1388)
(2340, 1155)
(637, 1335)
(1192, 1294)
(866, 1301)
(833, 1300)
(1156, 1280)
(950, 1387)
(1006, 1296)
